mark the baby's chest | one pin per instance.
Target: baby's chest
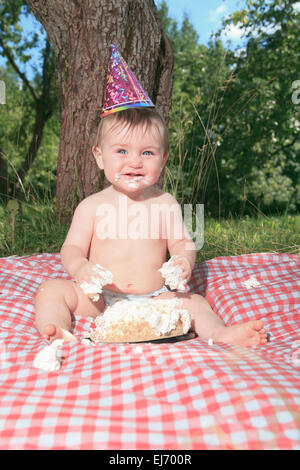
(129, 254)
(141, 223)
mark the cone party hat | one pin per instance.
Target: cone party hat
(123, 90)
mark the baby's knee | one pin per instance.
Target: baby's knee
(52, 285)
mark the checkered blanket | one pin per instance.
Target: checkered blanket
(185, 395)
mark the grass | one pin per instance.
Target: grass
(31, 228)
(236, 236)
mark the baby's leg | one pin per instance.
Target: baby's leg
(55, 303)
(208, 325)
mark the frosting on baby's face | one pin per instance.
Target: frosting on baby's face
(134, 181)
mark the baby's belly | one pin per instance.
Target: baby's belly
(134, 266)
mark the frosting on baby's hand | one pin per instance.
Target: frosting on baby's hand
(94, 288)
(172, 274)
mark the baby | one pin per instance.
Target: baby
(131, 149)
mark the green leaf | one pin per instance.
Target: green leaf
(13, 206)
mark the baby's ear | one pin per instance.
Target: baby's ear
(165, 158)
(98, 156)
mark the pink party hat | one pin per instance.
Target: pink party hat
(123, 90)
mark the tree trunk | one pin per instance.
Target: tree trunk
(81, 33)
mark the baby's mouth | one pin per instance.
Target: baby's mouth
(134, 176)
(132, 179)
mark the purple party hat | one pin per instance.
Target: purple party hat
(123, 90)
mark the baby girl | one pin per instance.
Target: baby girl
(106, 235)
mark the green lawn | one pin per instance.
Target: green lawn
(236, 236)
(34, 229)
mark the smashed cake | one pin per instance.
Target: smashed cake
(130, 321)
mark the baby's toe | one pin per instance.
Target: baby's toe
(49, 331)
(257, 325)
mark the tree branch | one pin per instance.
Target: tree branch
(46, 72)
(283, 147)
(16, 68)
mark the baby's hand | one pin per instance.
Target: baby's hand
(177, 272)
(184, 264)
(91, 278)
(84, 272)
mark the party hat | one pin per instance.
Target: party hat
(123, 90)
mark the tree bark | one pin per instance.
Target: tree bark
(81, 33)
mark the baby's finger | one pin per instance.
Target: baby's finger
(182, 264)
(177, 261)
(98, 268)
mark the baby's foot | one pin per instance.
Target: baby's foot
(52, 332)
(251, 333)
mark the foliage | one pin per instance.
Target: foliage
(268, 152)
(30, 104)
(16, 121)
(13, 135)
(234, 125)
(199, 74)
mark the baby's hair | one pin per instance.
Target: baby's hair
(133, 117)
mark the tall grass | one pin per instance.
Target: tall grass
(31, 226)
(189, 169)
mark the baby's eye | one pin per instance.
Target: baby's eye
(122, 151)
(147, 153)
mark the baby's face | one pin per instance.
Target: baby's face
(132, 159)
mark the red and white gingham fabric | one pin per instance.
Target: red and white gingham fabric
(186, 395)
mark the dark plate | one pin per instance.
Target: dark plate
(172, 339)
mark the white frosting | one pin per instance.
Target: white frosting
(252, 282)
(131, 182)
(47, 359)
(94, 288)
(161, 314)
(172, 274)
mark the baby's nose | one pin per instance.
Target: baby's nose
(136, 160)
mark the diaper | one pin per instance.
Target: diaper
(111, 297)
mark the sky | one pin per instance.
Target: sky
(206, 16)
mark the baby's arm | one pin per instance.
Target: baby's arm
(75, 249)
(180, 242)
